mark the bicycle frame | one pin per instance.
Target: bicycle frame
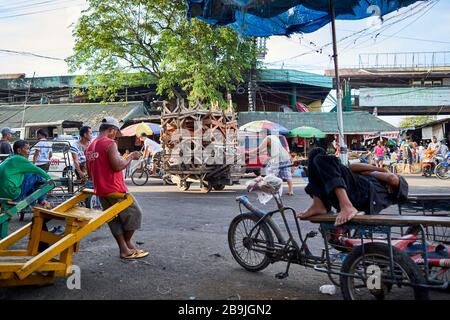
(285, 249)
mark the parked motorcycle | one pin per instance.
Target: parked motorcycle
(429, 163)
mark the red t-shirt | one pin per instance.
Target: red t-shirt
(105, 179)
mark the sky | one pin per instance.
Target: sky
(45, 27)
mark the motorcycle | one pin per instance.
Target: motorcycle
(442, 170)
(428, 163)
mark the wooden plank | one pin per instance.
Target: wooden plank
(415, 197)
(35, 236)
(79, 197)
(15, 236)
(10, 253)
(31, 280)
(71, 239)
(74, 213)
(50, 238)
(49, 266)
(387, 220)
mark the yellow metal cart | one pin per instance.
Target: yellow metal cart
(28, 266)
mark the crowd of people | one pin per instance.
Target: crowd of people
(406, 154)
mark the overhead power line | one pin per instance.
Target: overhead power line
(25, 53)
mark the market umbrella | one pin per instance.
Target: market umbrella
(264, 125)
(306, 133)
(138, 128)
(258, 18)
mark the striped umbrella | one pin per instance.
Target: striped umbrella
(264, 125)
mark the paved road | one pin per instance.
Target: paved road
(186, 233)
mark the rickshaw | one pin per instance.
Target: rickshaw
(373, 256)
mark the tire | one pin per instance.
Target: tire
(93, 202)
(427, 171)
(219, 187)
(206, 186)
(239, 227)
(441, 171)
(381, 251)
(139, 177)
(184, 187)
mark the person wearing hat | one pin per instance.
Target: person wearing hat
(5, 146)
(105, 166)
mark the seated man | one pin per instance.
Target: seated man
(361, 187)
(19, 177)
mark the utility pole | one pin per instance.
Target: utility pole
(26, 99)
(340, 118)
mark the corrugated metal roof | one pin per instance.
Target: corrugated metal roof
(294, 76)
(354, 122)
(89, 113)
(263, 76)
(404, 97)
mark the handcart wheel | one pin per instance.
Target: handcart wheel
(373, 279)
(184, 187)
(206, 186)
(250, 250)
(219, 187)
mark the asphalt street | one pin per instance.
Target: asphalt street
(186, 234)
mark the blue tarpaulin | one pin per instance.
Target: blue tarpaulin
(263, 18)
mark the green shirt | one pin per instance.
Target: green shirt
(12, 172)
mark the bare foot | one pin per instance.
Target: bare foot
(312, 211)
(345, 215)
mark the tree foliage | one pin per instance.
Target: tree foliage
(415, 121)
(124, 43)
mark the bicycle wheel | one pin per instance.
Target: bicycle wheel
(442, 171)
(250, 250)
(219, 187)
(364, 260)
(139, 177)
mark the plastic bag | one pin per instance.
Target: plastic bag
(266, 187)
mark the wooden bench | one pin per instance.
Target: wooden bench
(387, 220)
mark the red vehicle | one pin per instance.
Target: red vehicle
(249, 141)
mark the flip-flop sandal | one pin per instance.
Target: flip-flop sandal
(136, 255)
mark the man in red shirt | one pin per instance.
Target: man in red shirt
(105, 167)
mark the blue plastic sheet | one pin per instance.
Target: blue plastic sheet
(263, 18)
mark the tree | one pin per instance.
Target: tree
(415, 121)
(124, 43)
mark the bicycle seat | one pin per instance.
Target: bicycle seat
(246, 203)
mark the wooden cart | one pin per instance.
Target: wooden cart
(193, 139)
(34, 266)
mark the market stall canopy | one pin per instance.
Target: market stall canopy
(138, 128)
(306, 132)
(264, 125)
(284, 17)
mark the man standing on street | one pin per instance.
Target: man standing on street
(5, 146)
(42, 151)
(105, 167)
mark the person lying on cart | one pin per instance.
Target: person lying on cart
(19, 177)
(357, 189)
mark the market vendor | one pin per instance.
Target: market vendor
(361, 188)
(19, 177)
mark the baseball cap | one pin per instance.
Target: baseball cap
(113, 122)
(7, 130)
